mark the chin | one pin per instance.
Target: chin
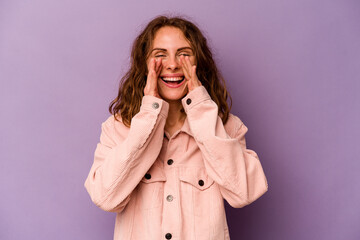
(173, 95)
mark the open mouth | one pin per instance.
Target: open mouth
(173, 80)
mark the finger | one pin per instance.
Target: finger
(194, 70)
(187, 75)
(154, 69)
(189, 66)
(182, 61)
(158, 66)
(188, 63)
(152, 74)
(151, 66)
(183, 64)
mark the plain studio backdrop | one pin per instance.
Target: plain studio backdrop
(292, 68)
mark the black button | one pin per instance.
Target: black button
(188, 101)
(170, 161)
(168, 236)
(148, 176)
(201, 182)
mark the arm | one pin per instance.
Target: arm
(120, 162)
(236, 169)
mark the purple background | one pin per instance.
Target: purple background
(292, 67)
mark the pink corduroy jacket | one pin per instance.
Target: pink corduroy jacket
(164, 187)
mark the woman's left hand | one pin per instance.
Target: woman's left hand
(189, 70)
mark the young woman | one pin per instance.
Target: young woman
(171, 151)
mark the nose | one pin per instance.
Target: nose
(173, 63)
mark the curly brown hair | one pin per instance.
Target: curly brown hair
(132, 84)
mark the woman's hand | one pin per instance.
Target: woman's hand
(154, 70)
(189, 70)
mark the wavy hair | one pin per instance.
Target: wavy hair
(132, 84)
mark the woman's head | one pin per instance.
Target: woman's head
(162, 38)
(168, 45)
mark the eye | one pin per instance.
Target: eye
(160, 55)
(184, 54)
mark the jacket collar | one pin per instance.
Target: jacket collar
(185, 128)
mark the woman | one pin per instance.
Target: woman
(171, 151)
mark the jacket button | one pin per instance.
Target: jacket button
(168, 236)
(169, 198)
(170, 161)
(188, 101)
(155, 105)
(148, 176)
(201, 182)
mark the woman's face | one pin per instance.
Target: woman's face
(169, 44)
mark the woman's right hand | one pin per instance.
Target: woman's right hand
(154, 68)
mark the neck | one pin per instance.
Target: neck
(176, 114)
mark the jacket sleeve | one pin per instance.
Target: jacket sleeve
(236, 169)
(121, 160)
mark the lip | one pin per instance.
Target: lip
(173, 75)
(173, 86)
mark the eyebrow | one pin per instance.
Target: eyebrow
(163, 49)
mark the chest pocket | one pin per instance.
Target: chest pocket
(151, 188)
(196, 177)
(199, 196)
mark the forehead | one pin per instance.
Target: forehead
(170, 37)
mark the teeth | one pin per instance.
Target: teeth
(173, 78)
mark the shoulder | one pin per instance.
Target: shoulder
(233, 125)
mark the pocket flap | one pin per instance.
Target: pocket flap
(154, 174)
(196, 176)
